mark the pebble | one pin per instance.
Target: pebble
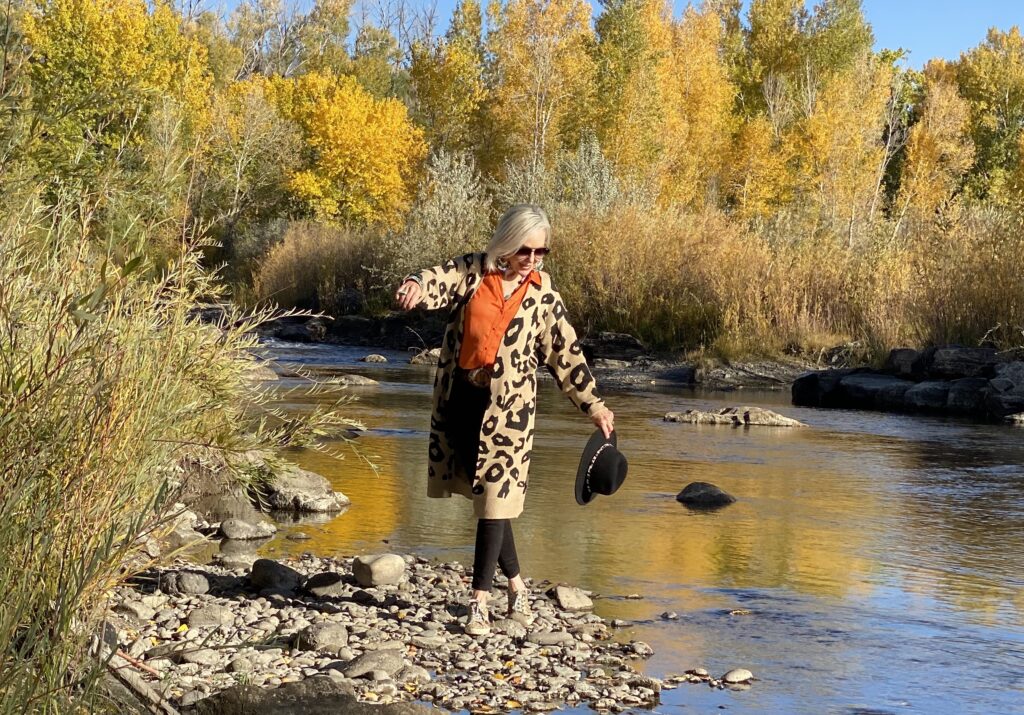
(390, 642)
(737, 675)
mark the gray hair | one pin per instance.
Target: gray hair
(511, 232)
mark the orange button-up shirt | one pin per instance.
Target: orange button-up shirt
(487, 318)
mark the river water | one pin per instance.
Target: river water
(881, 557)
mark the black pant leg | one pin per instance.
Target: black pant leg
(508, 560)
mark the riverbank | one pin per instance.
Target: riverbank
(619, 360)
(204, 637)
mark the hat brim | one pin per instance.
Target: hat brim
(583, 495)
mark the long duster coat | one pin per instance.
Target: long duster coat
(539, 334)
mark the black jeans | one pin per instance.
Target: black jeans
(495, 545)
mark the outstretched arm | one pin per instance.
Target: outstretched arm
(434, 287)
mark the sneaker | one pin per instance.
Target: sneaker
(478, 624)
(519, 607)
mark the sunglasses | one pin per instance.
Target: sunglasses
(524, 252)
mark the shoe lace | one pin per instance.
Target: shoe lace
(477, 612)
(519, 603)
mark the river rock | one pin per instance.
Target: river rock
(378, 569)
(952, 362)
(928, 395)
(549, 638)
(211, 615)
(901, 361)
(261, 372)
(135, 609)
(1016, 419)
(184, 582)
(702, 495)
(295, 489)
(873, 391)
(426, 357)
(737, 675)
(821, 388)
(570, 599)
(374, 357)
(201, 656)
(240, 530)
(309, 331)
(966, 396)
(326, 637)
(327, 583)
(267, 574)
(352, 380)
(319, 695)
(389, 660)
(735, 416)
(612, 346)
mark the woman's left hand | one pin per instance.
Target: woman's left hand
(605, 421)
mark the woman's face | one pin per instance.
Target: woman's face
(520, 264)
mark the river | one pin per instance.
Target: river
(880, 556)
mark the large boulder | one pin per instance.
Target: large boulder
(901, 361)
(930, 395)
(873, 391)
(241, 530)
(267, 574)
(426, 357)
(188, 583)
(953, 362)
(309, 331)
(702, 495)
(378, 569)
(820, 388)
(612, 346)
(295, 489)
(967, 396)
(734, 416)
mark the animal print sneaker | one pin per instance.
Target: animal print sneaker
(479, 624)
(519, 607)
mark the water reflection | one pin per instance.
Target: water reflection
(880, 555)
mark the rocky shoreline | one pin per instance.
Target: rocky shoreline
(283, 636)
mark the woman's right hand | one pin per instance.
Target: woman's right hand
(409, 295)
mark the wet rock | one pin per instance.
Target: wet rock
(737, 675)
(570, 599)
(352, 380)
(323, 638)
(820, 389)
(267, 574)
(308, 331)
(243, 530)
(734, 416)
(872, 391)
(298, 536)
(295, 489)
(966, 396)
(929, 395)
(378, 569)
(702, 495)
(374, 357)
(426, 357)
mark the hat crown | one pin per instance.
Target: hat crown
(602, 469)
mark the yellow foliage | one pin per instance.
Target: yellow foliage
(939, 151)
(541, 56)
(95, 63)
(449, 91)
(759, 181)
(362, 153)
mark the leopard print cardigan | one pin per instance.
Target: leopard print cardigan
(539, 333)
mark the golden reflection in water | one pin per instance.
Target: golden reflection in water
(797, 524)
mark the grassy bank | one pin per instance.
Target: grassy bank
(708, 282)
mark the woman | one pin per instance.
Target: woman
(505, 319)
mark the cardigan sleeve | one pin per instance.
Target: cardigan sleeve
(562, 354)
(439, 283)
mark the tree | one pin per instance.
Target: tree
(540, 73)
(448, 82)
(376, 63)
(633, 56)
(939, 151)
(98, 67)
(361, 154)
(991, 79)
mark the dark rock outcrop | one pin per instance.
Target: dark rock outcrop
(702, 495)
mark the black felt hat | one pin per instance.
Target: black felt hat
(602, 468)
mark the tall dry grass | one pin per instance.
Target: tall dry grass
(107, 380)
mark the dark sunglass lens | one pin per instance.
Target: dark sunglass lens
(539, 252)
